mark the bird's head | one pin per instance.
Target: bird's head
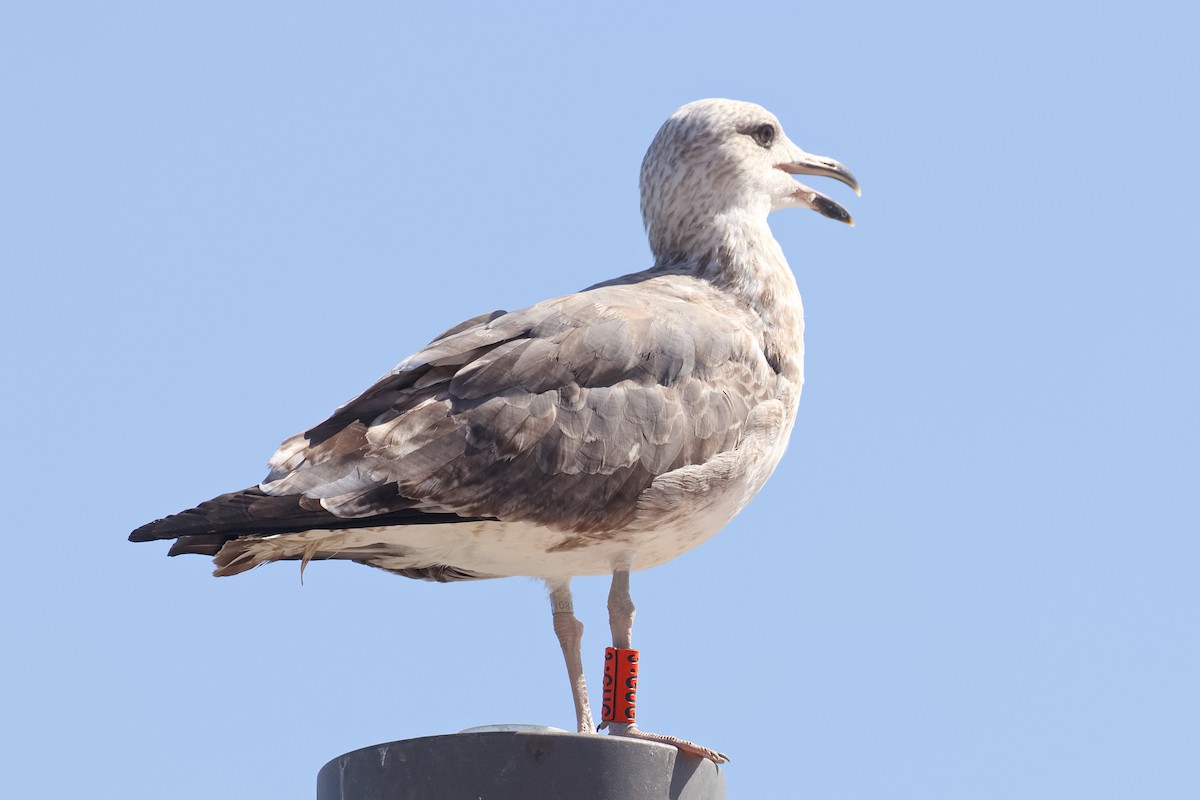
(716, 157)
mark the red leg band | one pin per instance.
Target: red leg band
(620, 685)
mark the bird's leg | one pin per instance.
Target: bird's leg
(569, 631)
(620, 620)
(621, 610)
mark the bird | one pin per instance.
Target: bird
(602, 432)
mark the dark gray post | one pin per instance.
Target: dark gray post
(519, 765)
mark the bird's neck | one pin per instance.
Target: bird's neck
(739, 255)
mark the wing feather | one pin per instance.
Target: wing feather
(561, 414)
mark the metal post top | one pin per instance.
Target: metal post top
(520, 763)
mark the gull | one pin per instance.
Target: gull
(598, 433)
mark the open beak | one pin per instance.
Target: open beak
(809, 164)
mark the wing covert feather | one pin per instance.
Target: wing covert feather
(561, 414)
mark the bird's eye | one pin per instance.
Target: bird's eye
(764, 134)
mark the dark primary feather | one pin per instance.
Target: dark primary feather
(205, 528)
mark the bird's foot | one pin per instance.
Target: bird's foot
(630, 731)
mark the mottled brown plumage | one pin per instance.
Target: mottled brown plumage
(603, 431)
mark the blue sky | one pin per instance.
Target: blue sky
(974, 573)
